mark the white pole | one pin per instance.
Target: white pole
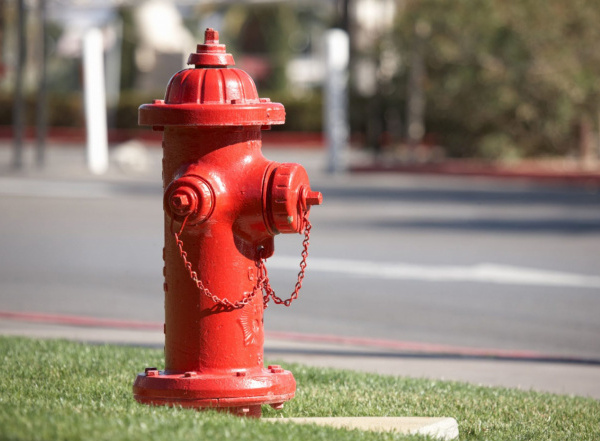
(337, 55)
(95, 101)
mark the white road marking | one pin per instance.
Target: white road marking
(482, 273)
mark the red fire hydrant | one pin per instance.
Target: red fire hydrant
(224, 202)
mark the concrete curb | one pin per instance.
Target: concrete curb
(439, 428)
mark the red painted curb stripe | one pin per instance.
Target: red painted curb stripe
(397, 345)
(406, 346)
(92, 322)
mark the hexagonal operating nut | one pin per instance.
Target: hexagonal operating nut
(189, 197)
(181, 203)
(309, 198)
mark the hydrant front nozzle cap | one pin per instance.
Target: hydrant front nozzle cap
(211, 53)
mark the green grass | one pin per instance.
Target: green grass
(57, 390)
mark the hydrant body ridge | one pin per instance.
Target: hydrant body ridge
(224, 202)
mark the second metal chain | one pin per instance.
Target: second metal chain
(262, 283)
(264, 275)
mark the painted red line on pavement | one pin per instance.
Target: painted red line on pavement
(92, 322)
(400, 345)
(397, 345)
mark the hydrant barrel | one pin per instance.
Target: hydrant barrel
(224, 202)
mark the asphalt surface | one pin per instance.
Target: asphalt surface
(495, 282)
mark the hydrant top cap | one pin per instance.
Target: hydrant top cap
(211, 53)
(211, 94)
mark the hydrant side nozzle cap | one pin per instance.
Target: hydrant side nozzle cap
(211, 53)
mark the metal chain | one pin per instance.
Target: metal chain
(262, 282)
(263, 274)
(194, 276)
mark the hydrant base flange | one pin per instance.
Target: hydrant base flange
(232, 390)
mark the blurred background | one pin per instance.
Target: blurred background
(428, 79)
(455, 143)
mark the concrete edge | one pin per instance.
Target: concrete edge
(443, 428)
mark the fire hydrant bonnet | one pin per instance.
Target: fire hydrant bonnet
(211, 94)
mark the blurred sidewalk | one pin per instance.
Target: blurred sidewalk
(567, 171)
(130, 161)
(140, 160)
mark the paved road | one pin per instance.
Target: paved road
(452, 261)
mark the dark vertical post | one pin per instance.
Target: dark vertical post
(344, 15)
(19, 103)
(41, 121)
